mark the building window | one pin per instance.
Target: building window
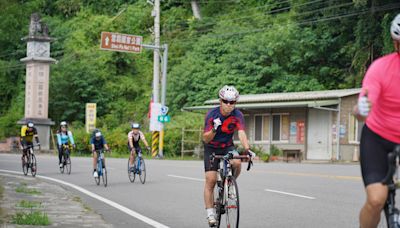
(280, 127)
(355, 128)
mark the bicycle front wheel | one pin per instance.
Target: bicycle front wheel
(231, 203)
(131, 171)
(105, 177)
(33, 165)
(142, 171)
(218, 206)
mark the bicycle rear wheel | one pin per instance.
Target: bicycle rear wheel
(131, 171)
(67, 164)
(105, 177)
(231, 203)
(33, 165)
(24, 164)
(142, 171)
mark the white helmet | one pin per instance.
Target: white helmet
(229, 93)
(63, 123)
(395, 28)
(98, 134)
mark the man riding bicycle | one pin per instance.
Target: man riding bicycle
(98, 143)
(220, 124)
(134, 136)
(28, 132)
(379, 106)
(64, 137)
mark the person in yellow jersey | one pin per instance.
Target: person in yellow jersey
(28, 132)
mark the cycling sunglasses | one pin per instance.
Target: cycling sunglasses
(230, 102)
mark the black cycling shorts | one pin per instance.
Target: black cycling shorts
(137, 148)
(218, 151)
(374, 156)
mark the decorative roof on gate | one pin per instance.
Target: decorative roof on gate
(293, 96)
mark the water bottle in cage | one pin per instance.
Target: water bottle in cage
(101, 155)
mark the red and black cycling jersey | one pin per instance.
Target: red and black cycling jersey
(230, 124)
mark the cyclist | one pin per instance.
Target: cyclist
(98, 143)
(379, 106)
(220, 124)
(64, 137)
(134, 136)
(28, 132)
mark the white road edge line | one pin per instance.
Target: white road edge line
(100, 198)
(187, 178)
(289, 194)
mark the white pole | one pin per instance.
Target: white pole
(156, 69)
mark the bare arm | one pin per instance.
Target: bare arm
(92, 147)
(208, 136)
(243, 139)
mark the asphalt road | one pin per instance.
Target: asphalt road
(271, 195)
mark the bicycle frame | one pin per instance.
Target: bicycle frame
(390, 208)
(138, 162)
(100, 156)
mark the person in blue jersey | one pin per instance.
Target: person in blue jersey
(98, 143)
(64, 137)
(220, 124)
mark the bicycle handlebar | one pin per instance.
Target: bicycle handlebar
(392, 165)
(230, 156)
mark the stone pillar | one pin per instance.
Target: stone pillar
(38, 62)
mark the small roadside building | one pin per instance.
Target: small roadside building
(320, 124)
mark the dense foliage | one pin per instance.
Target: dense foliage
(257, 45)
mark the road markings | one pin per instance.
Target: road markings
(356, 178)
(289, 194)
(187, 178)
(126, 210)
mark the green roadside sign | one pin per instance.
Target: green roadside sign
(164, 119)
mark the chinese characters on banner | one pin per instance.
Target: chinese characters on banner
(90, 117)
(300, 132)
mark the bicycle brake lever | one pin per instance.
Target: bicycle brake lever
(250, 163)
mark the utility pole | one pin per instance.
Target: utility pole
(156, 69)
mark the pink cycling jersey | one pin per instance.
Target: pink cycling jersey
(382, 81)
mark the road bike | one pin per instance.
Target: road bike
(137, 168)
(29, 161)
(101, 168)
(226, 193)
(392, 214)
(66, 159)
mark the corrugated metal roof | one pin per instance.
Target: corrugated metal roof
(261, 105)
(293, 96)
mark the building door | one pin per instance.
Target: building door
(318, 137)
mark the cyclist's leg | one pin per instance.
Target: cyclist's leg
(103, 161)
(374, 166)
(236, 163)
(211, 179)
(59, 153)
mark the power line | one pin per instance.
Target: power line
(348, 14)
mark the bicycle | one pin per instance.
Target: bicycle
(29, 161)
(101, 169)
(65, 159)
(392, 214)
(226, 193)
(138, 167)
